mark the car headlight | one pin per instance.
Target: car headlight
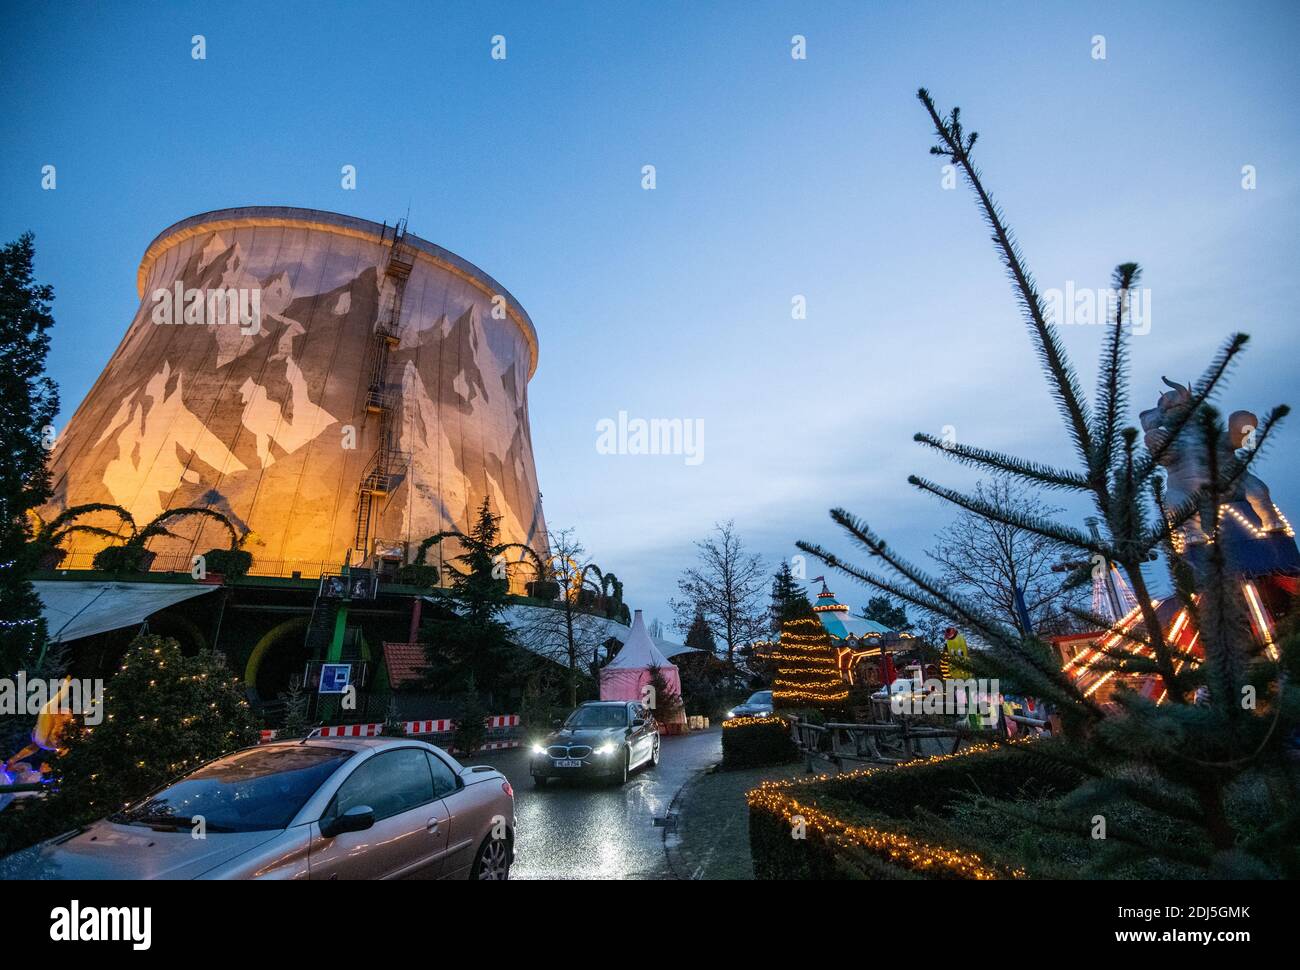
(609, 747)
(731, 713)
(539, 749)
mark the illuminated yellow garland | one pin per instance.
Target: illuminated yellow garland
(775, 798)
(808, 670)
(736, 722)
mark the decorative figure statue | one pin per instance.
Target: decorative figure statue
(1187, 466)
(1241, 438)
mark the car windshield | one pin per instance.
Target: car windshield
(257, 790)
(760, 697)
(598, 716)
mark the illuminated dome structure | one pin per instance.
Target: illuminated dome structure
(856, 638)
(372, 393)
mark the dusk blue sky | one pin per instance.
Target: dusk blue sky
(775, 178)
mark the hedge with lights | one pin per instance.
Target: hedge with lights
(749, 742)
(889, 821)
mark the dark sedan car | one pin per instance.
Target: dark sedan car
(758, 705)
(601, 739)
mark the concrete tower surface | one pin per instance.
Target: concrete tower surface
(333, 386)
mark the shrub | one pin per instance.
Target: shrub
(889, 822)
(165, 715)
(297, 703)
(231, 563)
(128, 558)
(749, 742)
(418, 574)
(471, 723)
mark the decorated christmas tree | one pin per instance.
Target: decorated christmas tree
(807, 673)
(164, 714)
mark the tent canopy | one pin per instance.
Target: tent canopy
(626, 676)
(540, 629)
(76, 608)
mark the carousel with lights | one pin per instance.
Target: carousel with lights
(1256, 542)
(864, 650)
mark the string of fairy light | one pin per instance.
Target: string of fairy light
(1180, 543)
(1081, 665)
(180, 767)
(807, 667)
(737, 722)
(778, 799)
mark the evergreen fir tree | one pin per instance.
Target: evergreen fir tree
(1170, 768)
(789, 599)
(394, 724)
(884, 611)
(700, 636)
(164, 714)
(28, 403)
(807, 674)
(297, 703)
(471, 721)
(473, 642)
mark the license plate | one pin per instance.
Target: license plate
(567, 763)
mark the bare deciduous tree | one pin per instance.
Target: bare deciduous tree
(727, 587)
(563, 632)
(987, 560)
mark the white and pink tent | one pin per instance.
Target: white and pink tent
(625, 677)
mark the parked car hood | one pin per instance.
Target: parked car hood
(108, 850)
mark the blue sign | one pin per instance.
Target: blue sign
(334, 678)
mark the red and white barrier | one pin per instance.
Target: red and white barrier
(499, 745)
(444, 725)
(430, 727)
(349, 731)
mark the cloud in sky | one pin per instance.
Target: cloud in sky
(776, 179)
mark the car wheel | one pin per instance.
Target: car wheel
(539, 781)
(654, 755)
(492, 861)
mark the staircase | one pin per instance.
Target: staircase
(387, 464)
(320, 630)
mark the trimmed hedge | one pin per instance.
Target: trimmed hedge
(230, 563)
(872, 823)
(750, 742)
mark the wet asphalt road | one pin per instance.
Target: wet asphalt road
(589, 830)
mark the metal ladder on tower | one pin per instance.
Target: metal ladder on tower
(388, 462)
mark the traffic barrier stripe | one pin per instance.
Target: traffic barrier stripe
(411, 728)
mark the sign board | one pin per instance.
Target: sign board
(334, 678)
(356, 584)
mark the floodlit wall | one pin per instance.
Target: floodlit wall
(270, 427)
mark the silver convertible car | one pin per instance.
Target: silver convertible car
(337, 808)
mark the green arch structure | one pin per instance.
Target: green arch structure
(269, 639)
(273, 636)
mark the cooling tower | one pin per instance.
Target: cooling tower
(379, 393)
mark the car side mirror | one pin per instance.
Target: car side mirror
(557, 723)
(638, 722)
(358, 818)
